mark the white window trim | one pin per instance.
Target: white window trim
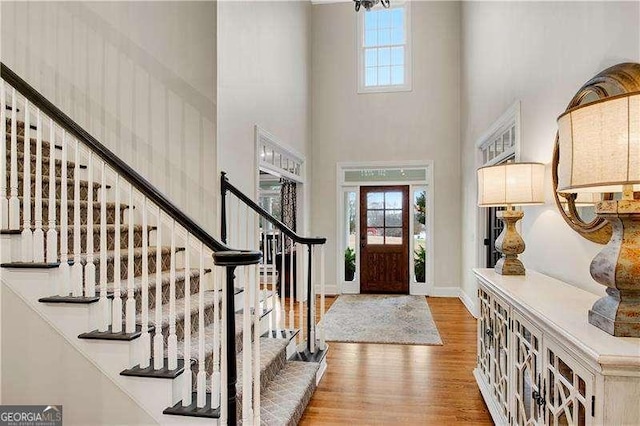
(415, 288)
(407, 86)
(263, 137)
(511, 117)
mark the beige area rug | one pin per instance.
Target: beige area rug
(394, 319)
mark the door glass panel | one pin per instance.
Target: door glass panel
(375, 218)
(375, 235)
(393, 236)
(375, 200)
(393, 200)
(393, 218)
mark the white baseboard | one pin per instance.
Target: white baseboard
(445, 292)
(469, 303)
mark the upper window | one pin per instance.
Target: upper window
(384, 49)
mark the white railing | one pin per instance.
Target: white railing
(118, 273)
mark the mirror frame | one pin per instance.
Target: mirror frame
(624, 78)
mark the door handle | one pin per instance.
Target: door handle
(362, 244)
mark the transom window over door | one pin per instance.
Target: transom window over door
(384, 49)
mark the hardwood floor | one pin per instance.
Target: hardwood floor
(367, 384)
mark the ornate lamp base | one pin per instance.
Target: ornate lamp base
(617, 266)
(510, 244)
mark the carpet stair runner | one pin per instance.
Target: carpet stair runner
(286, 385)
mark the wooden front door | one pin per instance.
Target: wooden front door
(384, 239)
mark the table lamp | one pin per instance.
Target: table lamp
(510, 184)
(599, 146)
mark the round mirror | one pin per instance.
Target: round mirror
(578, 210)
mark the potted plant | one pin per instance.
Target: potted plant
(349, 264)
(418, 259)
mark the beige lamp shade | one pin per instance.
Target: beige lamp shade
(514, 184)
(600, 146)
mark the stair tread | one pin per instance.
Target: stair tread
(209, 300)
(124, 253)
(208, 339)
(45, 159)
(83, 203)
(165, 277)
(70, 181)
(270, 350)
(286, 396)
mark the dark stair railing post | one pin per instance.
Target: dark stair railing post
(232, 373)
(223, 207)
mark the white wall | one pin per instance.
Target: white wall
(56, 373)
(139, 76)
(418, 125)
(263, 77)
(541, 54)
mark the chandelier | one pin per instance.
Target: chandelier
(368, 4)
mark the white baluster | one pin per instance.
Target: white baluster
(76, 269)
(201, 379)
(14, 201)
(158, 340)
(216, 376)
(282, 305)
(223, 348)
(291, 282)
(104, 308)
(311, 299)
(90, 266)
(256, 351)
(274, 243)
(187, 385)
(172, 342)
(247, 232)
(38, 233)
(27, 234)
(146, 337)
(237, 223)
(246, 351)
(4, 202)
(116, 304)
(323, 342)
(300, 279)
(131, 300)
(52, 233)
(64, 269)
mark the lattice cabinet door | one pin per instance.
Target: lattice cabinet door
(569, 388)
(485, 335)
(526, 373)
(500, 354)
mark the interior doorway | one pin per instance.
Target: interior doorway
(384, 241)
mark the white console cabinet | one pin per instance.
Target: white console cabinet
(541, 363)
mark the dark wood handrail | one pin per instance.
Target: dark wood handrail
(225, 186)
(123, 169)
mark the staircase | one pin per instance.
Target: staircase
(179, 320)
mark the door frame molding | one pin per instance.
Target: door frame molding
(353, 287)
(264, 137)
(387, 249)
